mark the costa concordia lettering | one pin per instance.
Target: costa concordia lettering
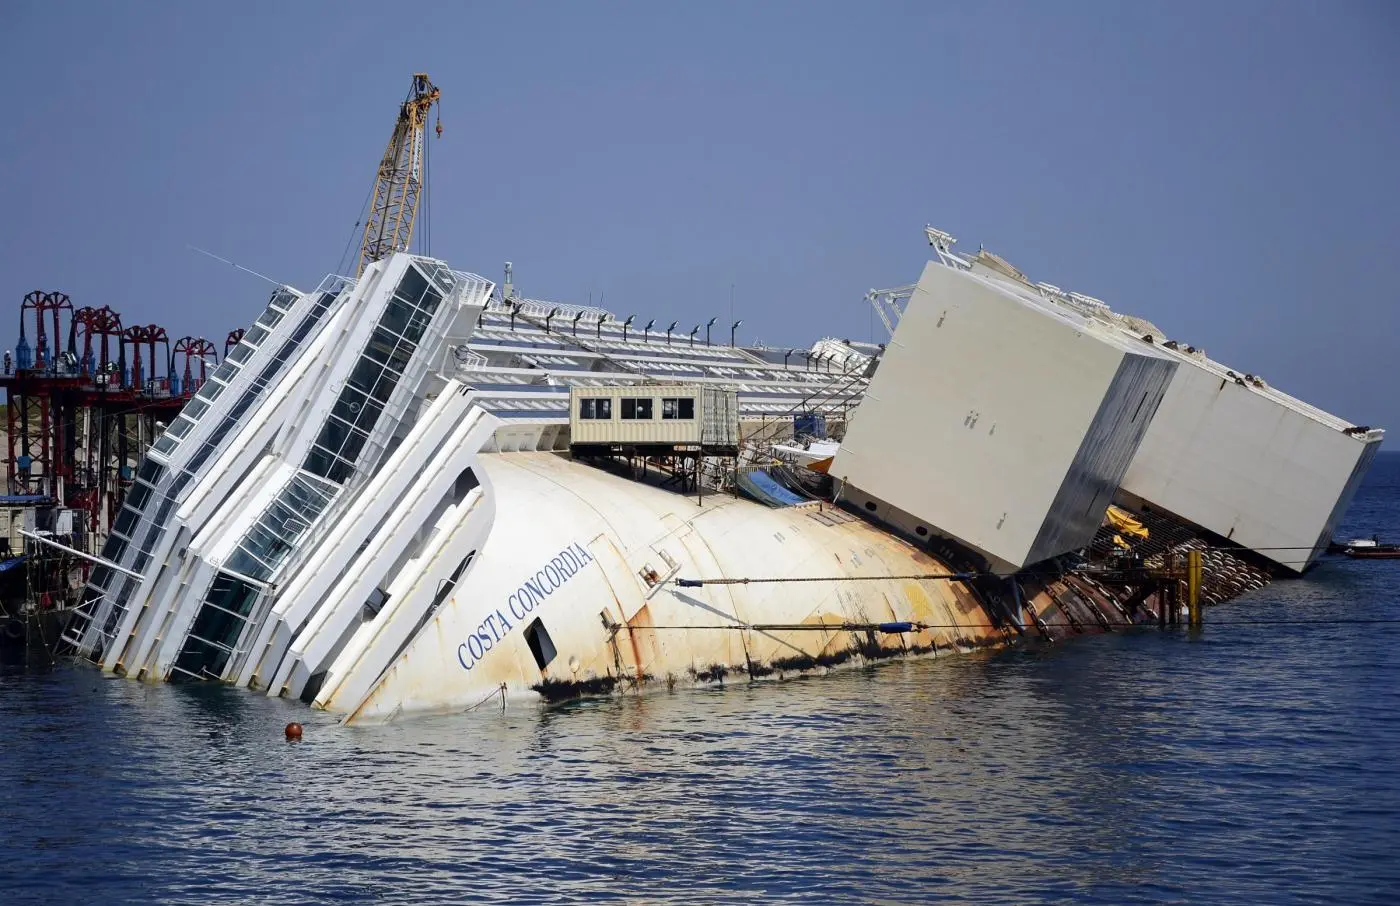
(523, 600)
(406, 492)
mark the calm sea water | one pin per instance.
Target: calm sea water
(1248, 764)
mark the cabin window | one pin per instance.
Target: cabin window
(126, 521)
(138, 495)
(150, 472)
(678, 407)
(637, 408)
(181, 426)
(541, 646)
(209, 391)
(225, 371)
(600, 408)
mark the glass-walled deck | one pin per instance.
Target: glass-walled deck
(235, 597)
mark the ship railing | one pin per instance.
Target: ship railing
(840, 394)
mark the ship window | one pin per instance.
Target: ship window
(101, 578)
(200, 660)
(357, 409)
(340, 439)
(150, 472)
(396, 317)
(541, 646)
(138, 495)
(126, 521)
(600, 408)
(637, 408)
(920, 531)
(389, 349)
(225, 371)
(239, 353)
(870, 505)
(412, 286)
(371, 379)
(321, 461)
(678, 407)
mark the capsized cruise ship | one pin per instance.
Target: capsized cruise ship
(377, 503)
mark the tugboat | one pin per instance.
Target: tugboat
(1367, 549)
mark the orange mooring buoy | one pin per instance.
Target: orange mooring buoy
(293, 731)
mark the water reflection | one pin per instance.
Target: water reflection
(1119, 769)
(1243, 764)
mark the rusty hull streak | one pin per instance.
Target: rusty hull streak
(1067, 606)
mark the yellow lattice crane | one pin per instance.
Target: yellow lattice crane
(399, 182)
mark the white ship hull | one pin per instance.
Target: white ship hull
(568, 550)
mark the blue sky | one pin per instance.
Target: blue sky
(1226, 170)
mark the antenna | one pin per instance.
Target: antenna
(235, 264)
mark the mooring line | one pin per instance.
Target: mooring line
(946, 577)
(901, 627)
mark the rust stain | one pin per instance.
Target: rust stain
(641, 637)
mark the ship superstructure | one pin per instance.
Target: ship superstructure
(295, 419)
(999, 420)
(1226, 451)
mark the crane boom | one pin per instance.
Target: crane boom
(399, 182)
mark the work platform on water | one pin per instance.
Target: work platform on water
(86, 396)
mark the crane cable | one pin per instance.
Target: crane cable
(425, 235)
(355, 231)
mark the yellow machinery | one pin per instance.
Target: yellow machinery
(1125, 523)
(399, 182)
